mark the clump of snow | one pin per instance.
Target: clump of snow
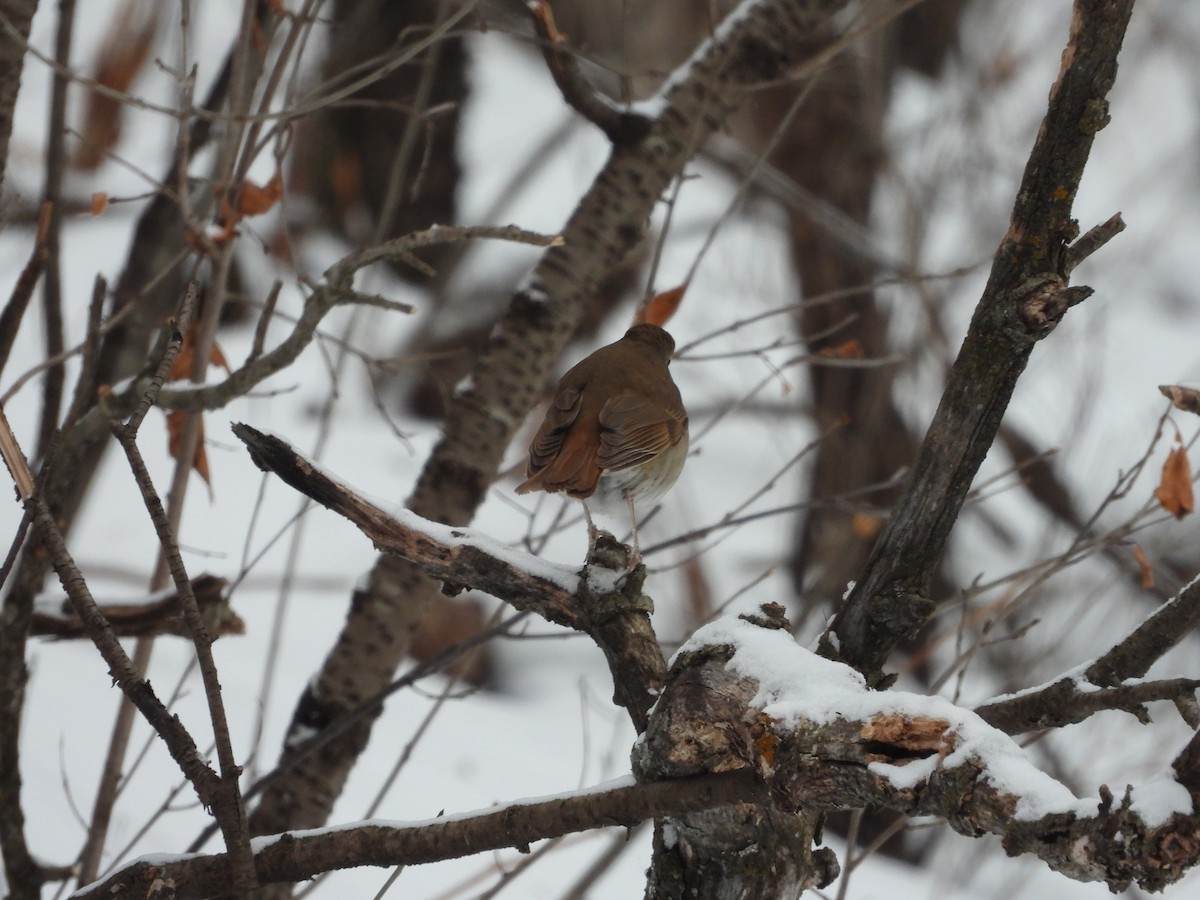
(1160, 798)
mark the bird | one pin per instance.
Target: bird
(616, 431)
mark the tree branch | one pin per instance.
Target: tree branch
(602, 600)
(1067, 701)
(158, 614)
(617, 124)
(743, 696)
(1166, 627)
(299, 855)
(766, 40)
(338, 290)
(1025, 297)
(180, 744)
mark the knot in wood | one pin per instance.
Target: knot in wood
(1042, 301)
(769, 615)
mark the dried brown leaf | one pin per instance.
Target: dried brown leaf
(185, 362)
(1184, 398)
(1174, 489)
(659, 308)
(122, 56)
(176, 425)
(1144, 567)
(851, 349)
(254, 200)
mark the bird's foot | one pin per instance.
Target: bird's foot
(606, 552)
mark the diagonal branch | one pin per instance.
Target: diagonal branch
(1099, 685)
(618, 125)
(1025, 298)
(601, 600)
(1162, 630)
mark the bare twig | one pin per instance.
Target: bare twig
(1132, 658)
(157, 615)
(52, 301)
(112, 772)
(226, 804)
(336, 291)
(1067, 701)
(22, 292)
(618, 125)
(180, 744)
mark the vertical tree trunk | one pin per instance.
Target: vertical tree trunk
(18, 15)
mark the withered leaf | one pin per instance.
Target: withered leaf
(1144, 567)
(176, 424)
(850, 349)
(182, 366)
(1184, 398)
(1174, 489)
(254, 200)
(122, 56)
(659, 308)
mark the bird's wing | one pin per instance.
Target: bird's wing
(553, 431)
(634, 430)
(562, 455)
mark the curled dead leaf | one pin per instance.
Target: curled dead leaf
(254, 200)
(176, 425)
(122, 56)
(659, 308)
(1174, 489)
(1184, 398)
(185, 361)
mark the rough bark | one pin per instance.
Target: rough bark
(914, 754)
(749, 850)
(18, 14)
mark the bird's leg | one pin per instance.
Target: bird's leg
(593, 531)
(637, 550)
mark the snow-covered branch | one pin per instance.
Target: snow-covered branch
(743, 694)
(604, 599)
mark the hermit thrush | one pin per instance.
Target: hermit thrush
(616, 432)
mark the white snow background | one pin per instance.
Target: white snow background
(549, 725)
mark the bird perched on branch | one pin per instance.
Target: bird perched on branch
(616, 432)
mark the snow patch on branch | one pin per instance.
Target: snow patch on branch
(795, 686)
